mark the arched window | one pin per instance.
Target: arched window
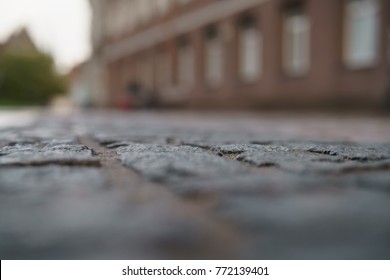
(250, 50)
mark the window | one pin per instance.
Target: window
(163, 68)
(361, 33)
(145, 10)
(296, 40)
(183, 2)
(186, 63)
(250, 49)
(131, 14)
(163, 5)
(213, 58)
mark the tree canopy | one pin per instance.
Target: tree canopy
(28, 79)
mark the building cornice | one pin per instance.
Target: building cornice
(175, 27)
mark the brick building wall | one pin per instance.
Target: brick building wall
(248, 53)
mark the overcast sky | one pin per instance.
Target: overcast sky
(60, 27)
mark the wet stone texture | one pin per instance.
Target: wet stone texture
(163, 186)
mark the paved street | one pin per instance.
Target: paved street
(174, 185)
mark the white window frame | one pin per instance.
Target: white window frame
(214, 60)
(163, 6)
(296, 43)
(250, 56)
(361, 33)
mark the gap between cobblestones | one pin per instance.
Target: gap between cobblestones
(267, 167)
(139, 190)
(123, 177)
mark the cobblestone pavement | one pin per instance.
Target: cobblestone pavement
(195, 186)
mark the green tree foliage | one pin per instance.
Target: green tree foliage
(28, 79)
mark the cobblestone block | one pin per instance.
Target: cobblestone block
(44, 182)
(347, 151)
(51, 152)
(374, 181)
(320, 225)
(168, 163)
(246, 183)
(103, 225)
(313, 158)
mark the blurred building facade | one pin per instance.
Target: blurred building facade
(20, 41)
(243, 53)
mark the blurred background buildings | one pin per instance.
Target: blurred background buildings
(240, 53)
(20, 41)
